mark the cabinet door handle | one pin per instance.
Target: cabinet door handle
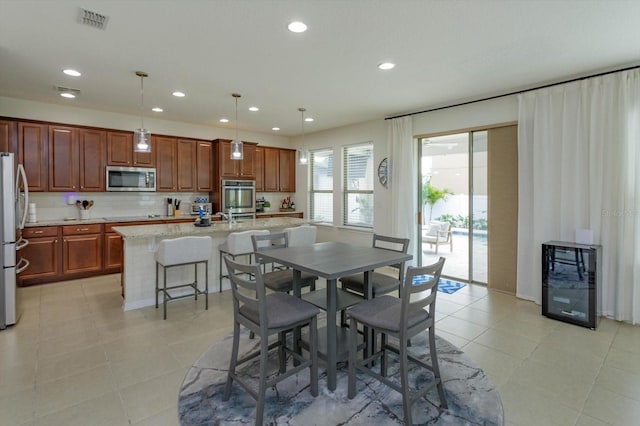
(38, 232)
(82, 229)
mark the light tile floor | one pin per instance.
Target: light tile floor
(75, 358)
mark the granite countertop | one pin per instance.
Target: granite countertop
(73, 221)
(216, 229)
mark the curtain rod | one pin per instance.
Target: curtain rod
(514, 93)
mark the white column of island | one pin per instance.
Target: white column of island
(140, 244)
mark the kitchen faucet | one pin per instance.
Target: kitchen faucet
(226, 216)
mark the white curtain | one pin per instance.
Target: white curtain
(579, 168)
(402, 181)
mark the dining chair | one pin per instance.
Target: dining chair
(237, 244)
(279, 279)
(401, 318)
(381, 283)
(266, 315)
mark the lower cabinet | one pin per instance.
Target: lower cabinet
(43, 253)
(81, 248)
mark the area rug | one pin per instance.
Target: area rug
(472, 398)
(448, 286)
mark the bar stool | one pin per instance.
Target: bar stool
(183, 251)
(303, 235)
(237, 244)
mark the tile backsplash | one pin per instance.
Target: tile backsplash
(54, 205)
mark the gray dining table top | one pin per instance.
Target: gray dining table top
(332, 260)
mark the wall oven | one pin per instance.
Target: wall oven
(239, 195)
(139, 179)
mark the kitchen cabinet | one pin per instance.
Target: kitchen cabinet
(82, 248)
(204, 159)
(166, 163)
(92, 153)
(279, 170)
(236, 169)
(8, 134)
(187, 164)
(292, 214)
(43, 253)
(259, 169)
(33, 153)
(120, 151)
(63, 159)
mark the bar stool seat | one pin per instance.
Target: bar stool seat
(237, 244)
(179, 252)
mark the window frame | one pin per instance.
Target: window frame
(312, 190)
(345, 186)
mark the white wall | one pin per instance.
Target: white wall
(485, 113)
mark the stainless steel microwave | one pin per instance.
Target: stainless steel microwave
(140, 179)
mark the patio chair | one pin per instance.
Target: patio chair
(439, 233)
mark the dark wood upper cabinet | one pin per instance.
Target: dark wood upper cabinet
(271, 169)
(287, 170)
(8, 136)
(186, 168)
(204, 159)
(92, 145)
(33, 153)
(259, 169)
(145, 159)
(166, 163)
(244, 169)
(63, 159)
(120, 149)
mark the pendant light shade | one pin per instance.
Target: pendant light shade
(237, 153)
(303, 154)
(141, 136)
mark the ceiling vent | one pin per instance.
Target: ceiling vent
(93, 19)
(67, 92)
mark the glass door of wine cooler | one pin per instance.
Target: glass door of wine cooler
(569, 282)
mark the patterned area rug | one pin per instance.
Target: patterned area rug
(472, 398)
(448, 286)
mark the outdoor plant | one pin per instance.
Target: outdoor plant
(431, 195)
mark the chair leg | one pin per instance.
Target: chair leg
(195, 280)
(220, 271)
(206, 285)
(233, 362)
(383, 361)
(282, 359)
(436, 367)
(313, 353)
(262, 387)
(164, 293)
(157, 288)
(404, 382)
(353, 349)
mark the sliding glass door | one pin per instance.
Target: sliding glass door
(453, 196)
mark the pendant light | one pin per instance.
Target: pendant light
(141, 136)
(303, 154)
(236, 144)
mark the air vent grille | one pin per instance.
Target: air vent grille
(93, 19)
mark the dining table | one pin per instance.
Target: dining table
(331, 261)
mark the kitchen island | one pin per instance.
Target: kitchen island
(141, 243)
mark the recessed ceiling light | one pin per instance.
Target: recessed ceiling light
(275, 129)
(297, 27)
(67, 92)
(68, 95)
(254, 109)
(224, 120)
(157, 109)
(71, 72)
(308, 119)
(386, 66)
(178, 94)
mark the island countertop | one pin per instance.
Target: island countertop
(217, 229)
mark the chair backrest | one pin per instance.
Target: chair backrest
(240, 242)
(401, 245)
(268, 242)
(303, 235)
(181, 250)
(246, 292)
(419, 292)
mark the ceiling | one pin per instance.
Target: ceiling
(445, 51)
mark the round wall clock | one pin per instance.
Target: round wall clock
(383, 172)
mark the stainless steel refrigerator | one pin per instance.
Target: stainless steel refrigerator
(14, 199)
